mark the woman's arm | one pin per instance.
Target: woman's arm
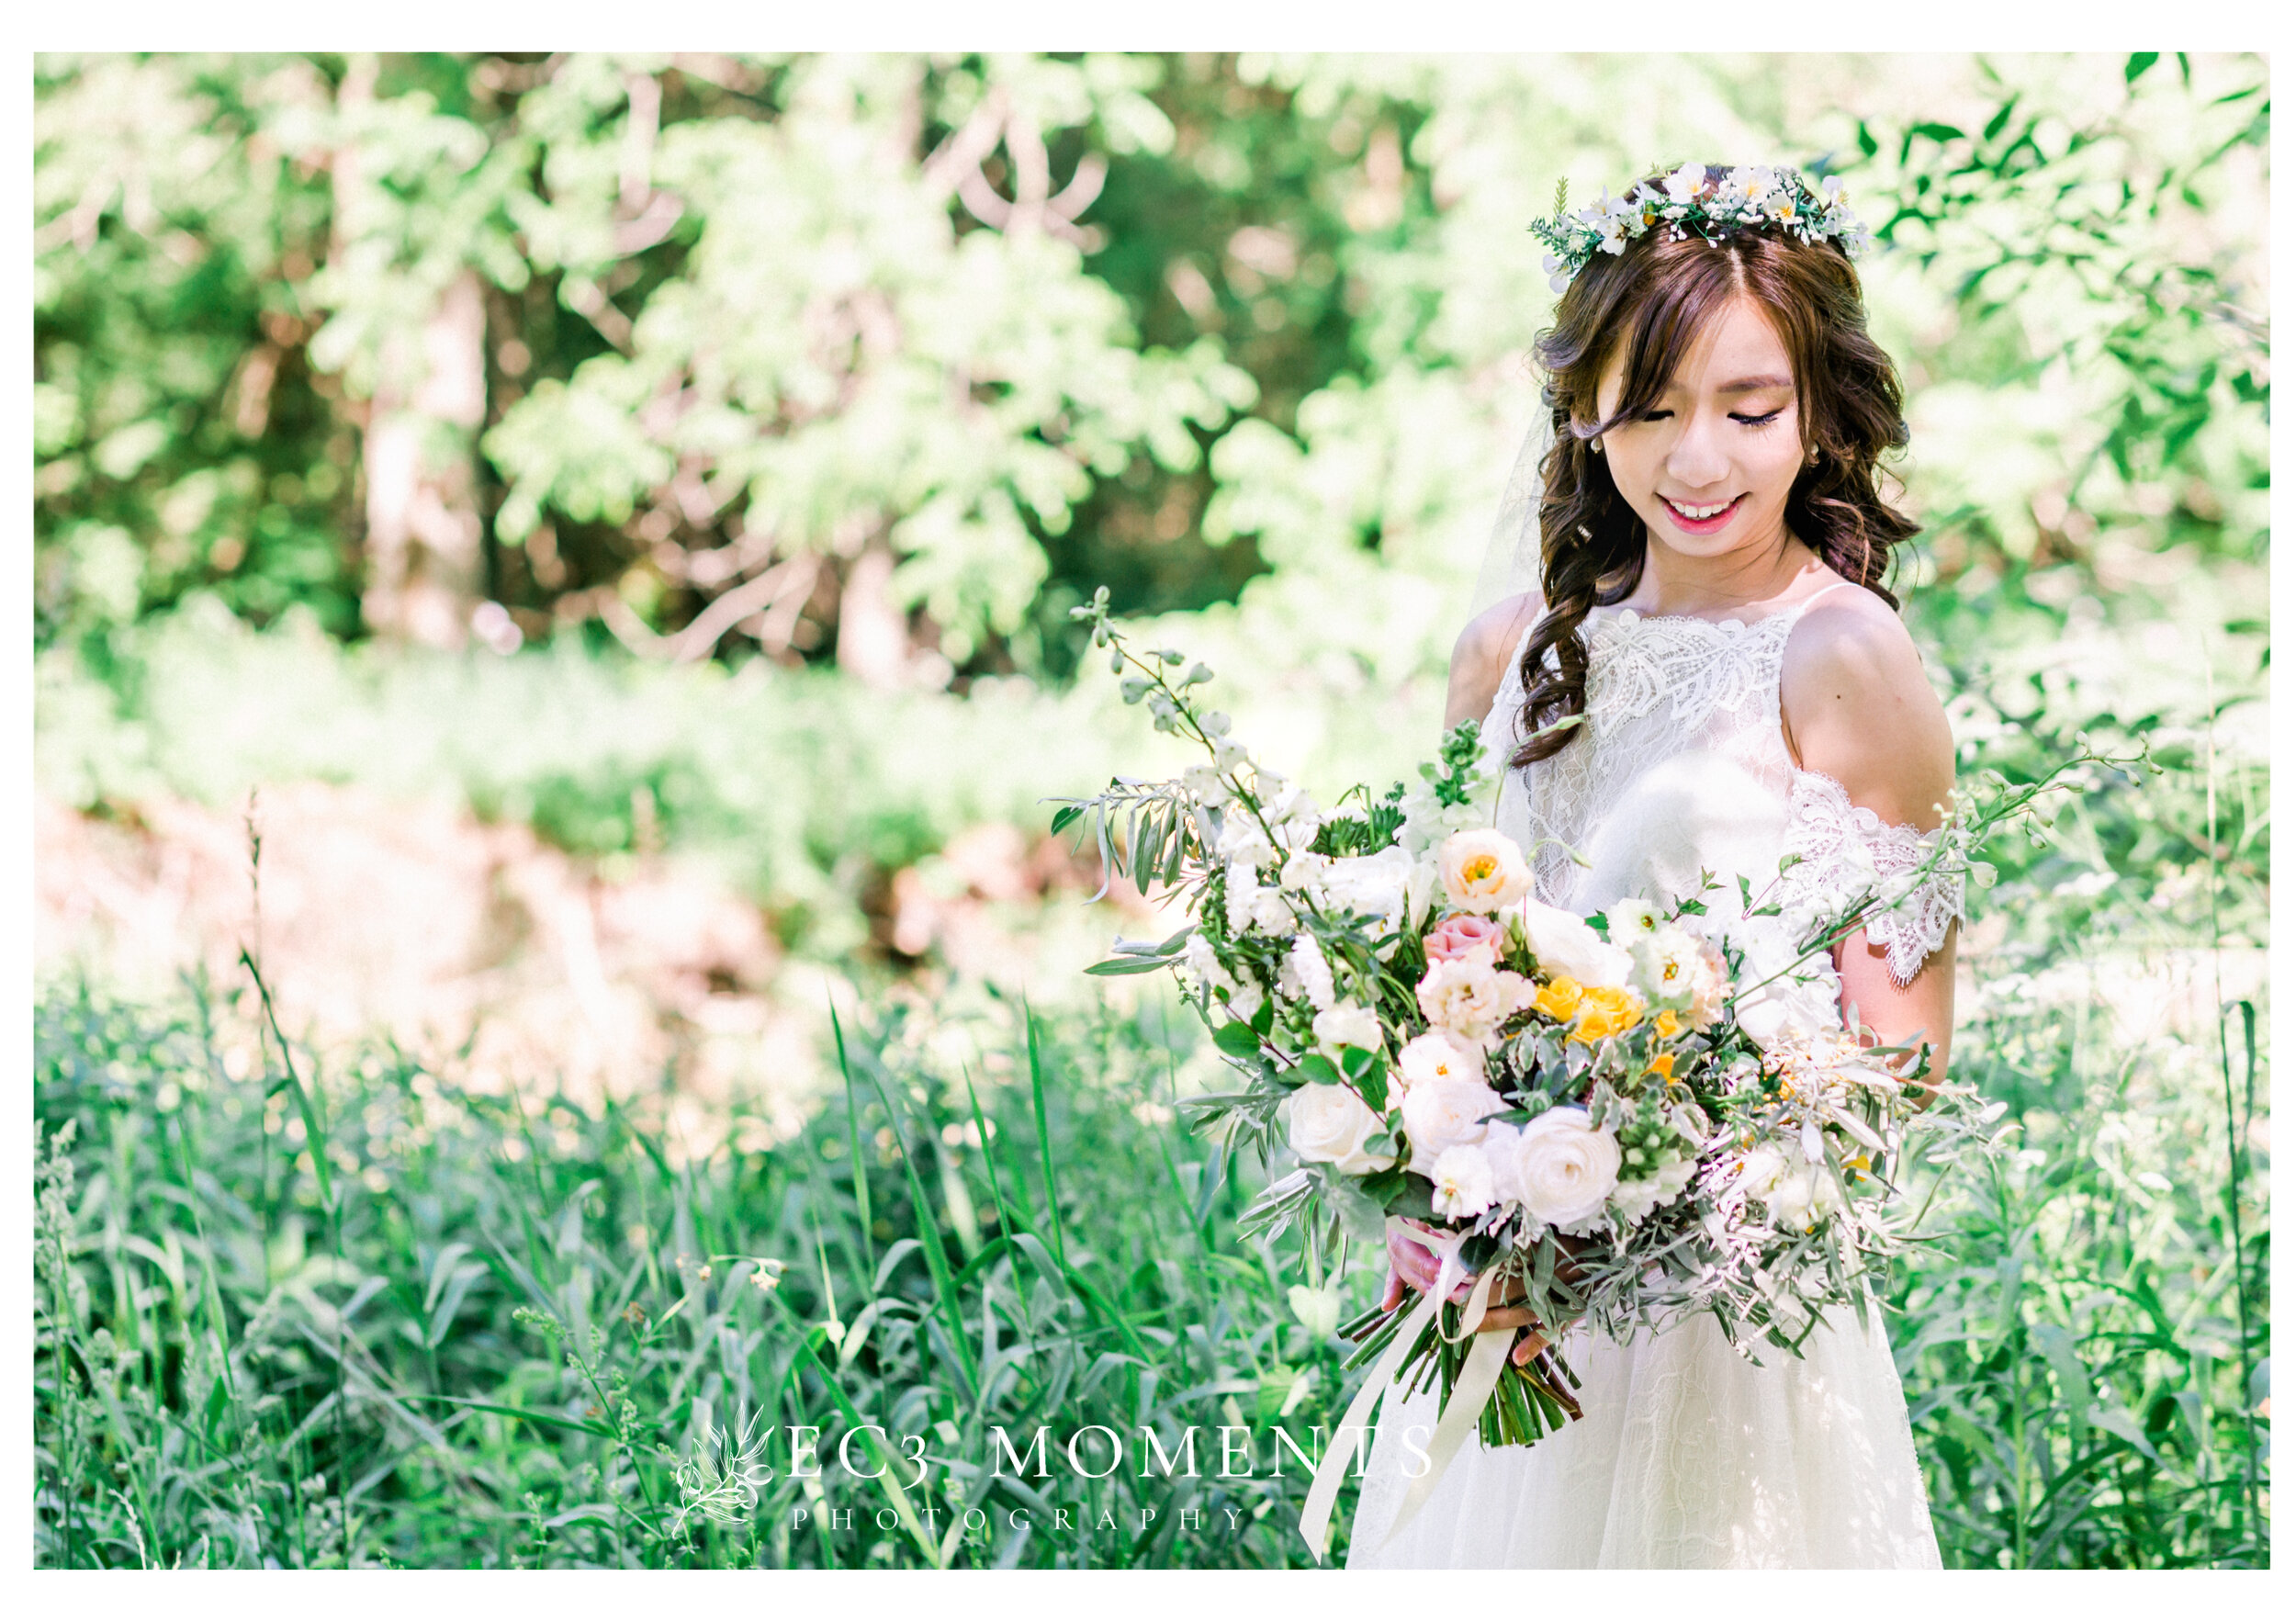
(1479, 659)
(1857, 706)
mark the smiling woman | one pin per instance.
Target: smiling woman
(1701, 706)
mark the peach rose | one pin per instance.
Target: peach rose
(1483, 870)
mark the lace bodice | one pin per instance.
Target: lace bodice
(1682, 767)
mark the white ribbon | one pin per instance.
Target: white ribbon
(1477, 1379)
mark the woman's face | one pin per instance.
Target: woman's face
(1708, 467)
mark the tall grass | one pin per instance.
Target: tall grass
(365, 1317)
(306, 1309)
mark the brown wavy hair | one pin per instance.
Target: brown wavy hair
(1655, 298)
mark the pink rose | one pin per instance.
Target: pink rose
(1463, 935)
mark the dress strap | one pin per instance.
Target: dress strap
(1803, 607)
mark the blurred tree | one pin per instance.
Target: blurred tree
(890, 359)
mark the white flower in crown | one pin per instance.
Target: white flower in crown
(1749, 183)
(1684, 183)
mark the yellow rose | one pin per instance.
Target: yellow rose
(1606, 1011)
(1666, 1024)
(1663, 1065)
(1559, 998)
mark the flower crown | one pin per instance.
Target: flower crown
(1744, 198)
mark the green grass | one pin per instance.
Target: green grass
(359, 1315)
(344, 1311)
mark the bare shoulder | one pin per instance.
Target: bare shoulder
(1479, 659)
(1857, 704)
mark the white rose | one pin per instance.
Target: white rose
(1442, 1114)
(1470, 998)
(1438, 1056)
(1560, 1168)
(1377, 884)
(1463, 1182)
(1347, 1024)
(1330, 1125)
(1483, 870)
(1566, 944)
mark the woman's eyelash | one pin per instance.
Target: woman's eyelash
(1760, 421)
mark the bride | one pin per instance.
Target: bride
(1711, 541)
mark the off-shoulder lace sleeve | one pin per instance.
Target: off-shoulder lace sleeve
(1847, 850)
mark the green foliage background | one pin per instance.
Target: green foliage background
(813, 391)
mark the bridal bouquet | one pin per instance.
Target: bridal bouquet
(1619, 1119)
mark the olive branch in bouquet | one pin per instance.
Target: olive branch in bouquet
(1169, 834)
(1974, 818)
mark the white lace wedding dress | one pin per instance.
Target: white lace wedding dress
(1688, 1455)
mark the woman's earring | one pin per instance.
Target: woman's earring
(1811, 459)
(1596, 444)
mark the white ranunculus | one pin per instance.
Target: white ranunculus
(1245, 999)
(1560, 1168)
(1566, 944)
(1349, 1024)
(1438, 1056)
(1464, 1185)
(1377, 884)
(1441, 1114)
(1330, 1126)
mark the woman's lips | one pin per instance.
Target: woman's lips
(1689, 525)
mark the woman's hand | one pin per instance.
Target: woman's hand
(1414, 1265)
